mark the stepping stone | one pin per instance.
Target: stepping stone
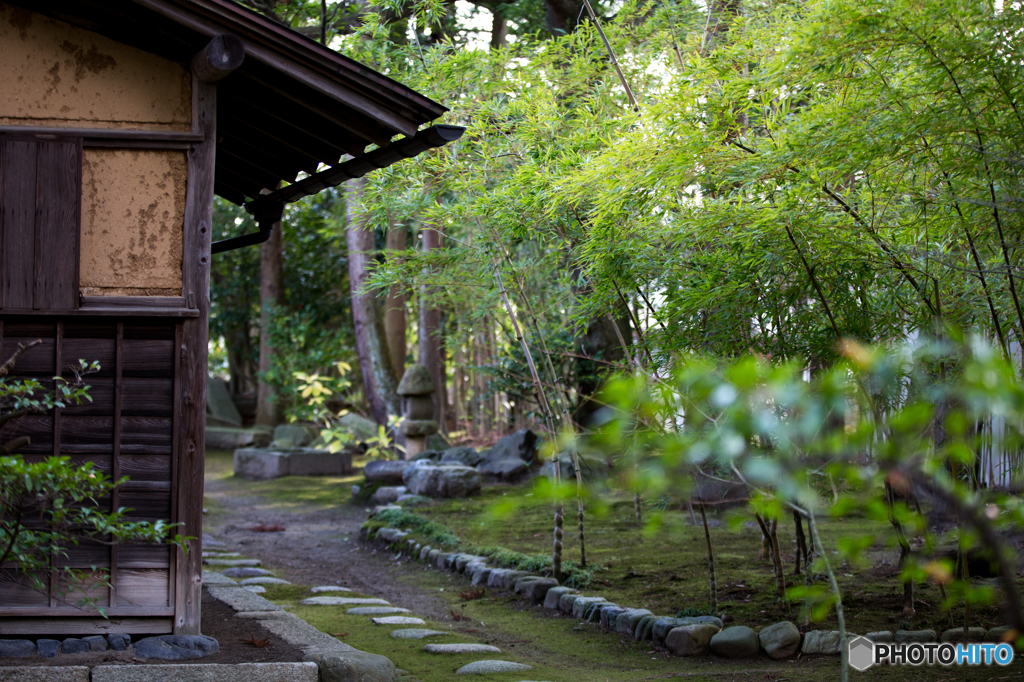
(245, 572)
(461, 649)
(375, 611)
(255, 589)
(398, 620)
(220, 555)
(329, 588)
(491, 667)
(249, 563)
(343, 601)
(418, 633)
(265, 580)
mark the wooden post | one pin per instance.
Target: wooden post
(192, 357)
(218, 59)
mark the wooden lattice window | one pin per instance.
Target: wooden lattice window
(40, 216)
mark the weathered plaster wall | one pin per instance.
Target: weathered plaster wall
(54, 74)
(133, 213)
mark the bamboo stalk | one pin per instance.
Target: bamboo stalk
(711, 561)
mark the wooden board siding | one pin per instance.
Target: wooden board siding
(128, 430)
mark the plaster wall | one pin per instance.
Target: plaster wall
(133, 216)
(55, 74)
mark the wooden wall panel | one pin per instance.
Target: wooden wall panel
(146, 467)
(58, 207)
(90, 350)
(19, 594)
(101, 390)
(143, 587)
(144, 556)
(37, 361)
(147, 505)
(148, 358)
(18, 174)
(142, 435)
(37, 427)
(147, 397)
(90, 434)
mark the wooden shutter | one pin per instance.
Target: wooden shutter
(40, 216)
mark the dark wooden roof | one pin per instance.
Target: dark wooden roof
(292, 105)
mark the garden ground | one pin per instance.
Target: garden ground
(664, 572)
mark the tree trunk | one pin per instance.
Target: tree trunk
(394, 306)
(499, 29)
(430, 335)
(379, 381)
(269, 410)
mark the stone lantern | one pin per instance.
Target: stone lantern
(416, 389)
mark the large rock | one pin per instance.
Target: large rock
(447, 480)
(780, 640)
(626, 623)
(955, 635)
(387, 494)
(642, 632)
(567, 600)
(735, 642)
(361, 428)
(463, 454)
(609, 612)
(505, 469)
(520, 445)
(822, 642)
(662, 626)
(385, 472)
(536, 591)
(220, 409)
(176, 647)
(554, 595)
(481, 576)
(691, 640)
(580, 604)
(288, 436)
(18, 648)
(999, 633)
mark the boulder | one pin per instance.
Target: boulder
(955, 635)
(580, 604)
(780, 640)
(432, 455)
(48, 648)
(566, 602)
(437, 442)
(176, 647)
(662, 626)
(361, 428)
(626, 622)
(74, 645)
(464, 455)
(425, 552)
(999, 634)
(691, 640)
(505, 469)
(554, 594)
(521, 445)
(287, 436)
(19, 648)
(915, 636)
(736, 642)
(822, 642)
(609, 613)
(508, 580)
(481, 576)
(220, 409)
(387, 494)
(96, 642)
(447, 480)
(643, 629)
(385, 472)
(536, 591)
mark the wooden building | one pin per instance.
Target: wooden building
(119, 121)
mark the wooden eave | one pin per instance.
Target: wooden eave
(292, 105)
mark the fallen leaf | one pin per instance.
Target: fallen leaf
(263, 528)
(259, 643)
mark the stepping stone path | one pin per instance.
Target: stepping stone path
(343, 601)
(375, 611)
(461, 649)
(398, 620)
(265, 580)
(255, 589)
(418, 633)
(329, 588)
(491, 667)
(250, 563)
(245, 572)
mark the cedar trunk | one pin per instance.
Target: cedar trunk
(430, 337)
(394, 307)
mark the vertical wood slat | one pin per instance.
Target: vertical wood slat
(193, 356)
(57, 365)
(176, 430)
(18, 198)
(115, 464)
(58, 204)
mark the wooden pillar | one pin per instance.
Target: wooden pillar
(192, 358)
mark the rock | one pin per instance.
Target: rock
(356, 490)
(642, 632)
(344, 601)
(287, 436)
(506, 469)
(48, 648)
(522, 445)
(481, 576)
(361, 428)
(591, 468)
(227, 437)
(441, 480)
(261, 464)
(536, 591)
(19, 648)
(880, 637)
(255, 589)
(96, 642)
(566, 601)
(73, 645)
(220, 408)
(118, 642)
(554, 595)
(398, 620)
(440, 560)
(609, 612)
(417, 428)
(822, 642)
(492, 667)
(419, 633)
(915, 636)
(410, 499)
(386, 472)
(437, 442)
(176, 647)
(416, 381)
(461, 649)
(464, 455)
(432, 455)
(626, 622)
(425, 552)
(662, 626)
(692, 640)
(463, 561)
(233, 563)
(780, 640)
(580, 604)
(738, 641)
(329, 588)
(511, 577)
(265, 580)
(1000, 633)
(955, 635)
(375, 611)
(245, 572)
(388, 494)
